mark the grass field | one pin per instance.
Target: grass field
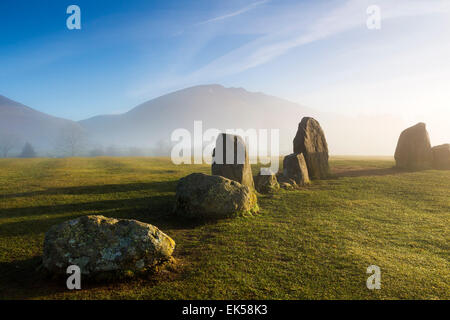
(314, 243)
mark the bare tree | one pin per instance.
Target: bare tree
(71, 141)
(162, 148)
(8, 142)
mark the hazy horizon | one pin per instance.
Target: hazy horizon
(368, 84)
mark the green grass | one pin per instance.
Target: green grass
(314, 243)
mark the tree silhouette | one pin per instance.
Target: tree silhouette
(71, 141)
(28, 151)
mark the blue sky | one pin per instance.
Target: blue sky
(317, 53)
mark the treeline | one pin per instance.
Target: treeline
(74, 142)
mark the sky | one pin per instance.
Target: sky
(320, 54)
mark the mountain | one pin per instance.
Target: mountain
(28, 125)
(151, 124)
(216, 106)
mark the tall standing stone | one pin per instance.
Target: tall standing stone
(441, 157)
(310, 141)
(414, 148)
(230, 160)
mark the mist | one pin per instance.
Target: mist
(146, 130)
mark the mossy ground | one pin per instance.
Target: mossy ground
(313, 243)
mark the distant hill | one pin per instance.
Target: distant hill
(151, 124)
(27, 124)
(218, 107)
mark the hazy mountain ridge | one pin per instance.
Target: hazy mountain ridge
(29, 125)
(152, 123)
(216, 106)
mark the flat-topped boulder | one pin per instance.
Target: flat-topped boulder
(441, 157)
(99, 245)
(231, 161)
(295, 169)
(311, 142)
(413, 150)
(203, 196)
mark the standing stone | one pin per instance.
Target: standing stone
(441, 157)
(294, 168)
(230, 160)
(310, 140)
(100, 245)
(414, 148)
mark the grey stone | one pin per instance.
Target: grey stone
(266, 183)
(286, 183)
(294, 168)
(230, 160)
(413, 150)
(99, 245)
(441, 157)
(311, 142)
(202, 196)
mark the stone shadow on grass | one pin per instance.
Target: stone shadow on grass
(26, 279)
(161, 186)
(21, 279)
(156, 210)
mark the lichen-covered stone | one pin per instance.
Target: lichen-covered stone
(287, 186)
(294, 168)
(414, 148)
(202, 196)
(266, 183)
(230, 160)
(311, 142)
(441, 157)
(286, 183)
(99, 245)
